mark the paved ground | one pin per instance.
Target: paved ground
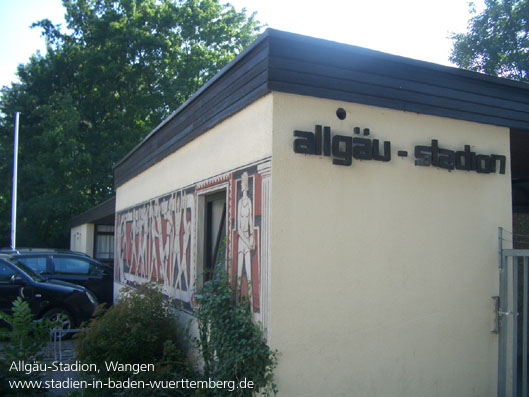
(61, 351)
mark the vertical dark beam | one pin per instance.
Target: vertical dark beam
(221, 233)
(207, 238)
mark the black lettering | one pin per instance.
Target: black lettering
(343, 156)
(473, 164)
(483, 164)
(464, 160)
(326, 141)
(423, 156)
(362, 149)
(461, 163)
(318, 143)
(494, 158)
(305, 143)
(435, 153)
(446, 159)
(376, 151)
(344, 148)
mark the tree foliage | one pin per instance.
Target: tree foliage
(497, 41)
(118, 70)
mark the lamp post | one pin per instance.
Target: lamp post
(14, 192)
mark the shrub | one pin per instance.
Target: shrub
(140, 328)
(25, 339)
(233, 347)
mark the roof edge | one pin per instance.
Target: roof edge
(100, 211)
(466, 73)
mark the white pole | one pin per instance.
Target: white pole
(14, 193)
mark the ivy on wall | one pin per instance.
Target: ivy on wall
(233, 347)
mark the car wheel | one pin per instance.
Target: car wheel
(65, 319)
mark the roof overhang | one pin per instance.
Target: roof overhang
(291, 63)
(102, 214)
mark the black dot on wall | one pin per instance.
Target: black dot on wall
(340, 113)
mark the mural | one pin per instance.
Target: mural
(158, 240)
(154, 243)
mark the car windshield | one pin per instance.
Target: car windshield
(25, 269)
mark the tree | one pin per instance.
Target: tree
(497, 41)
(119, 69)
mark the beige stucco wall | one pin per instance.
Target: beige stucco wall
(237, 141)
(82, 238)
(382, 273)
(241, 140)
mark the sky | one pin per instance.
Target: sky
(418, 29)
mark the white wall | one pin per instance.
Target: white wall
(82, 238)
(204, 165)
(237, 141)
(382, 273)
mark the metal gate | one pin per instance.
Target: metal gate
(512, 321)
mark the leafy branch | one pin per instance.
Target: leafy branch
(233, 347)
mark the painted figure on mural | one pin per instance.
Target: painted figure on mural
(123, 247)
(182, 269)
(155, 238)
(176, 260)
(133, 232)
(143, 225)
(245, 229)
(167, 230)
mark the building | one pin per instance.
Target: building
(361, 194)
(92, 232)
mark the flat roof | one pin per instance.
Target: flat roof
(102, 214)
(292, 63)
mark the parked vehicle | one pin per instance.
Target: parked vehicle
(46, 298)
(73, 267)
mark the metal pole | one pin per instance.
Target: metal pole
(14, 192)
(502, 342)
(515, 270)
(525, 352)
(500, 246)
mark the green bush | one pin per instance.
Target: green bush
(233, 347)
(140, 328)
(23, 341)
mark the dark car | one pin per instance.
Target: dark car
(72, 267)
(46, 298)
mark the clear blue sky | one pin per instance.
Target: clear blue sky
(413, 28)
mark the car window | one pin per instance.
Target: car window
(65, 265)
(97, 270)
(19, 268)
(6, 272)
(37, 264)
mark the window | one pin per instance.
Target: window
(37, 264)
(65, 265)
(104, 243)
(214, 231)
(6, 272)
(98, 270)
